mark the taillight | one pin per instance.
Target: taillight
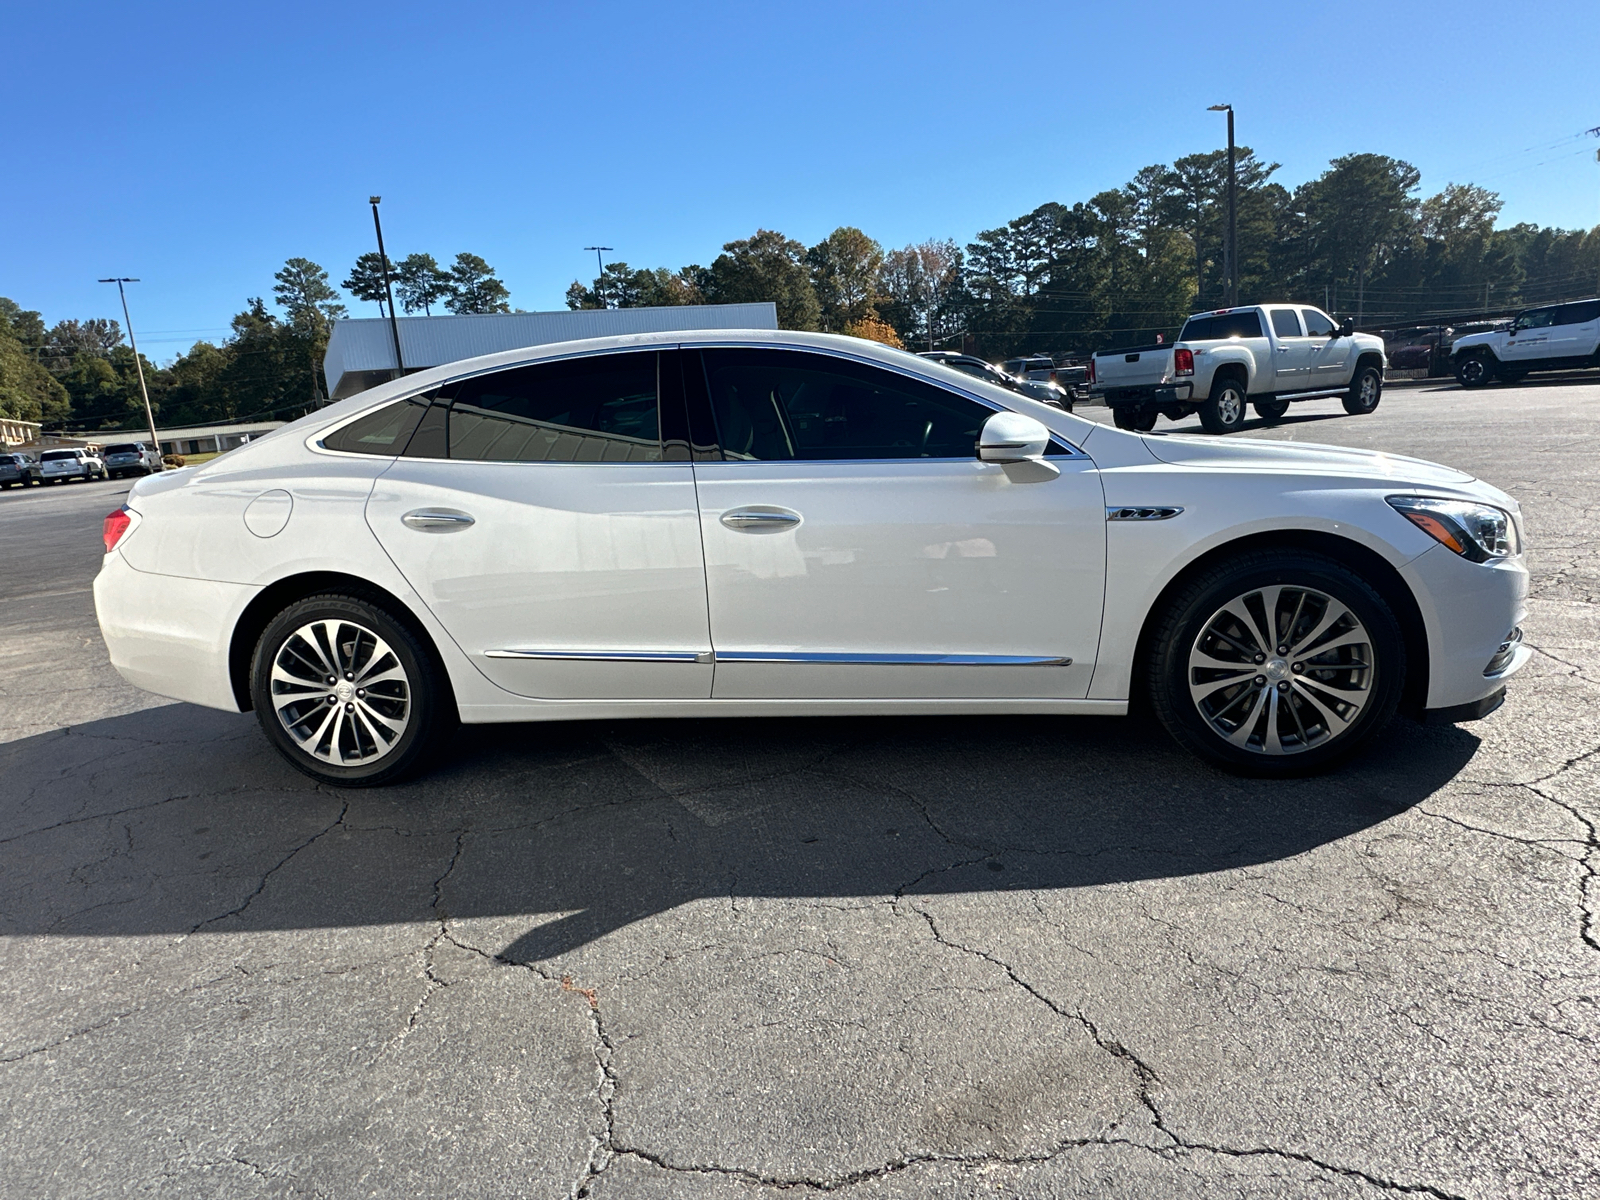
(1183, 361)
(1091, 370)
(116, 525)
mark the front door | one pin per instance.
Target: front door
(1330, 356)
(537, 515)
(855, 547)
(1529, 339)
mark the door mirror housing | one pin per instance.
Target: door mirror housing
(1347, 327)
(1009, 437)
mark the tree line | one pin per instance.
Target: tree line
(1116, 269)
(1134, 261)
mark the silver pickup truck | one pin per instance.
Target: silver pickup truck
(1268, 355)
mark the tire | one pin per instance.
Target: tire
(1281, 721)
(1271, 410)
(386, 731)
(1223, 411)
(1136, 418)
(1474, 370)
(1366, 389)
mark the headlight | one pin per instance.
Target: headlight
(1479, 532)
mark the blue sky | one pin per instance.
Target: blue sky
(198, 146)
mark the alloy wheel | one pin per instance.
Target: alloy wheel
(341, 692)
(1369, 390)
(1230, 406)
(1280, 670)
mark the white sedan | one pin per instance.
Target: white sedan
(758, 523)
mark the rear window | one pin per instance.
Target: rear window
(124, 448)
(1579, 314)
(57, 455)
(1225, 325)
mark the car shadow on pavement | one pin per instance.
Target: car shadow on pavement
(178, 819)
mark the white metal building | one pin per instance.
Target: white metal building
(361, 352)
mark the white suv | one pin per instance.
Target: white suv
(58, 466)
(131, 458)
(1557, 337)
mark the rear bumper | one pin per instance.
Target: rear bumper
(1166, 393)
(169, 635)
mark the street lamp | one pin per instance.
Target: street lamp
(1232, 257)
(149, 416)
(600, 278)
(383, 261)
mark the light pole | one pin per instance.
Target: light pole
(383, 261)
(149, 415)
(599, 280)
(1232, 257)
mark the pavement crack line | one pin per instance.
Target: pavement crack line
(281, 863)
(440, 934)
(1588, 872)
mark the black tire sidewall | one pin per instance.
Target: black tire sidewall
(432, 707)
(1271, 410)
(1187, 615)
(1463, 366)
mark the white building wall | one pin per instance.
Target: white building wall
(364, 345)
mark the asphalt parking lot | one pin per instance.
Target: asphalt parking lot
(883, 958)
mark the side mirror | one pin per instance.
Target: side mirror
(1347, 327)
(1009, 437)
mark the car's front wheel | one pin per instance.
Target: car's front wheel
(1276, 663)
(1223, 410)
(1474, 370)
(348, 693)
(1366, 389)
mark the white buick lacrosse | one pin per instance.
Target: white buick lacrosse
(758, 523)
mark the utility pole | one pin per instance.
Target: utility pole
(599, 280)
(383, 261)
(1232, 256)
(149, 414)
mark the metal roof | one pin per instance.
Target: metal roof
(361, 352)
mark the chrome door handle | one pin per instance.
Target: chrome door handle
(436, 520)
(760, 519)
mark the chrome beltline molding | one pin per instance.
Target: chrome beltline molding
(785, 656)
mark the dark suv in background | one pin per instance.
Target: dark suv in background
(17, 470)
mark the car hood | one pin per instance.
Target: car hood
(1247, 454)
(1487, 338)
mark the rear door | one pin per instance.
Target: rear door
(551, 527)
(1293, 354)
(1576, 330)
(855, 547)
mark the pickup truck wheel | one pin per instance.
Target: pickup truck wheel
(1223, 410)
(1366, 389)
(1138, 418)
(1276, 663)
(1474, 370)
(1271, 410)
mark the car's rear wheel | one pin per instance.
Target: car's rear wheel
(1474, 370)
(348, 693)
(1276, 664)
(1223, 410)
(1366, 389)
(1271, 410)
(1138, 418)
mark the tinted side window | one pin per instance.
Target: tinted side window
(599, 409)
(1198, 329)
(1538, 318)
(1317, 325)
(782, 404)
(1579, 314)
(1284, 323)
(1238, 325)
(384, 430)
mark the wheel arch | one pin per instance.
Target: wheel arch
(1369, 358)
(1372, 567)
(275, 597)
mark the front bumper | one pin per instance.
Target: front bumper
(1469, 610)
(169, 635)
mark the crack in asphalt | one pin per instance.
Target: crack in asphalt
(283, 862)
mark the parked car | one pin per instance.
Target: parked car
(1267, 355)
(740, 523)
(1043, 368)
(131, 458)
(1037, 389)
(58, 466)
(17, 470)
(1557, 337)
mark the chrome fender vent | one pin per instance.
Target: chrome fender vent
(1143, 512)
